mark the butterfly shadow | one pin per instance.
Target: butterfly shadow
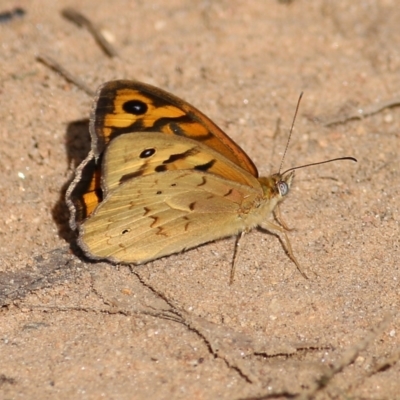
(77, 143)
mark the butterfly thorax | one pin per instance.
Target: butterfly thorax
(274, 188)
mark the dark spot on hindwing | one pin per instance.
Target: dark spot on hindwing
(228, 193)
(131, 175)
(187, 223)
(125, 231)
(155, 221)
(135, 107)
(146, 210)
(181, 156)
(191, 206)
(203, 181)
(160, 231)
(160, 168)
(143, 168)
(159, 192)
(147, 153)
(206, 166)
(176, 157)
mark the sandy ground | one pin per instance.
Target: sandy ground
(174, 328)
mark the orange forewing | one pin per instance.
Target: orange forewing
(124, 106)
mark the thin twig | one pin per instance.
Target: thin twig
(79, 19)
(53, 64)
(362, 112)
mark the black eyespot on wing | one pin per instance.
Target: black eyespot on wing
(205, 167)
(147, 153)
(135, 107)
(159, 192)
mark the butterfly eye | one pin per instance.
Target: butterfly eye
(135, 107)
(147, 153)
(283, 188)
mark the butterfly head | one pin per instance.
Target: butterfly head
(277, 186)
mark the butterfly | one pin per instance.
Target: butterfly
(161, 178)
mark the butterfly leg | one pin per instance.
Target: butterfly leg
(271, 227)
(279, 218)
(236, 256)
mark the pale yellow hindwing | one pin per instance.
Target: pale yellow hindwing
(153, 208)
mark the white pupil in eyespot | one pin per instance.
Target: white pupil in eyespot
(283, 188)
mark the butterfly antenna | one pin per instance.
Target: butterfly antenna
(320, 162)
(291, 131)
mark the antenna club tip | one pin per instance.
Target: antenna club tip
(347, 158)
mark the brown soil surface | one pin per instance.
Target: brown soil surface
(174, 328)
